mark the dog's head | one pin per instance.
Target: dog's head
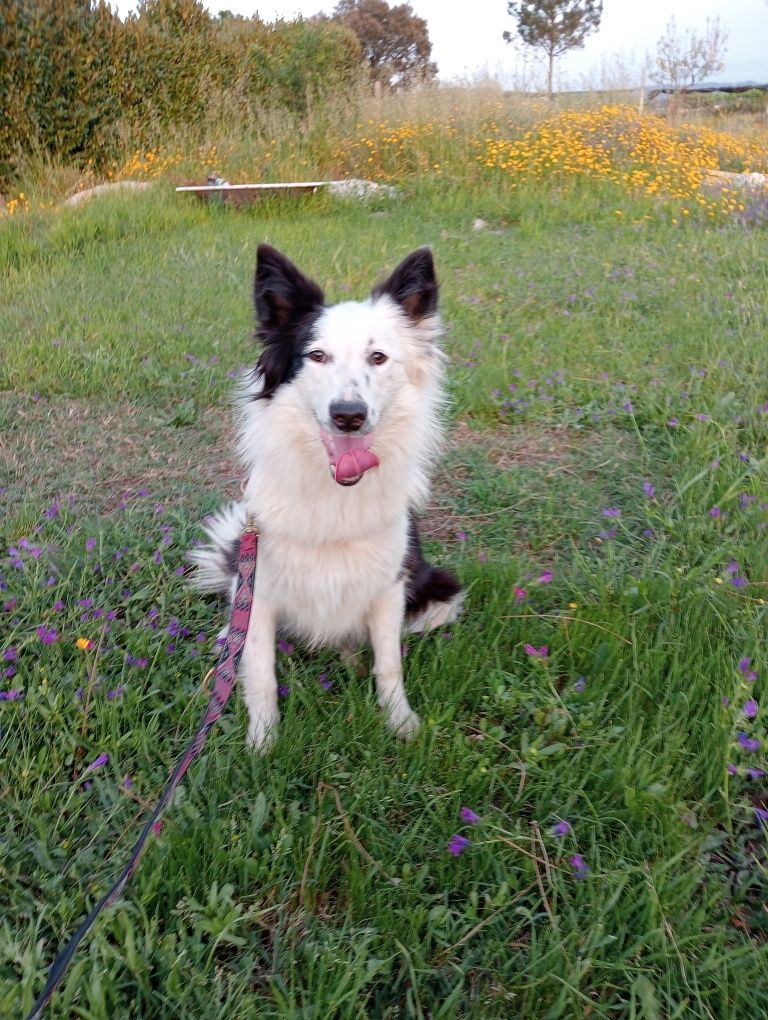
(352, 365)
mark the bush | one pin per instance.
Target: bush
(77, 84)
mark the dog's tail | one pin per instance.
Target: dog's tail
(216, 562)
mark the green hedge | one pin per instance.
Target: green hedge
(77, 83)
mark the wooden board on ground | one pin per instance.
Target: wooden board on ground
(246, 194)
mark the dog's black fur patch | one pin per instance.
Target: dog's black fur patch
(232, 556)
(288, 304)
(423, 582)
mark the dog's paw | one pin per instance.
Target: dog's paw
(403, 722)
(262, 734)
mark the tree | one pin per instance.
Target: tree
(684, 59)
(394, 40)
(554, 26)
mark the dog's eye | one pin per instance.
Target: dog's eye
(318, 356)
(377, 358)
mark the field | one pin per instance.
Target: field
(580, 829)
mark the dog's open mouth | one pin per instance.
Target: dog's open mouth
(349, 456)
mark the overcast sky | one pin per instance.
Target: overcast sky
(467, 37)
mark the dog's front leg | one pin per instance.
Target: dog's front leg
(385, 622)
(258, 676)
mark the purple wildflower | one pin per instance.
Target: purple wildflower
(561, 828)
(761, 814)
(673, 423)
(649, 490)
(468, 815)
(755, 773)
(536, 653)
(285, 647)
(611, 511)
(90, 544)
(715, 512)
(12, 695)
(97, 762)
(750, 709)
(127, 782)
(545, 578)
(11, 654)
(744, 668)
(283, 690)
(731, 769)
(747, 743)
(47, 634)
(458, 844)
(739, 582)
(732, 568)
(324, 682)
(116, 693)
(580, 685)
(461, 536)
(579, 865)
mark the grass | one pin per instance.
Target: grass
(591, 352)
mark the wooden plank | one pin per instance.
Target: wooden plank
(247, 194)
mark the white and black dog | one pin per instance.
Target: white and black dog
(339, 426)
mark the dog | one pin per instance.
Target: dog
(339, 425)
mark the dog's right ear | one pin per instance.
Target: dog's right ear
(287, 302)
(283, 294)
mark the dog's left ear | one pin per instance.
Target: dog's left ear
(413, 285)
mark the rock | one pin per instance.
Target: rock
(103, 189)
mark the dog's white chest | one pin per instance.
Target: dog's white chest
(322, 593)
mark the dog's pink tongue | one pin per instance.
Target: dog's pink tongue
(354, 463)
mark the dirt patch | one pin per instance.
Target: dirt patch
(53, 447)
(534, 447)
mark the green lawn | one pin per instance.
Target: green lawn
(602, 497)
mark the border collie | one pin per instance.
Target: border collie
(338, 428)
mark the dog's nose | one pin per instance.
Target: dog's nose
(348, 415)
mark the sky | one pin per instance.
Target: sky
(467, 38)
